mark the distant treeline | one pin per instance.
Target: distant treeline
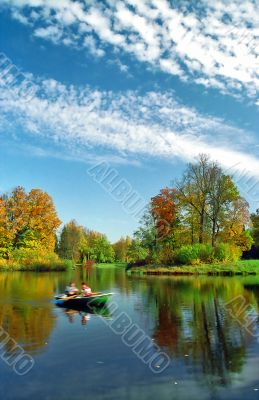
(81, 244)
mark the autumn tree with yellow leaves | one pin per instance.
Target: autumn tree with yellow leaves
(27, 221)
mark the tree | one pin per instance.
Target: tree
(234, 223)
(205, 208)
(27, 221)
(194, 189)
(163, 210)
(255, 227)
(207, 196)
(222, 194)
(42, 217)
(70, 241)
(121, 248)
(137, 252)
(78, 243)
(102, 250)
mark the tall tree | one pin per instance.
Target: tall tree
(234, 224)
(163, 210)
(28, 220)
(70, 240)
(223, 192)
(195, 187)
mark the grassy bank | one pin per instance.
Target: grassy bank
(111, 265)
(242, 267)
(62, 265)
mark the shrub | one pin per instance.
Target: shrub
(226, 252)
(206, 252)
(187, 254)
(34, 260)
(194, 254)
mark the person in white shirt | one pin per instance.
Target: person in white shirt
(86, 290)
(71, 289)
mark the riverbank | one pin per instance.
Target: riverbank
(62, 265)
(111, 265)
(242, 267)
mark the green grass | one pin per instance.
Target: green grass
(111, 265)
(242, 267)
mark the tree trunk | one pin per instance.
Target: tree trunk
(201, 227)
(213, 238)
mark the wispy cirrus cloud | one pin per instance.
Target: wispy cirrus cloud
(211, 43)
(127, 125)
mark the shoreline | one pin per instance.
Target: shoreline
(37, 267)
(242, 267)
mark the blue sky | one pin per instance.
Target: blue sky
(144, 86)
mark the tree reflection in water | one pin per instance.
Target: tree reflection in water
(26, 312)
(192, 322)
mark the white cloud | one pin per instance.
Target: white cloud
(126, 125)
(213, 43)
(90, 42)
(52, 33)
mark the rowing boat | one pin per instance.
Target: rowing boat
(95, 300)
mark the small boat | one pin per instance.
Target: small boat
(94, 300)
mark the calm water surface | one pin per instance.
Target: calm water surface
(212, 354)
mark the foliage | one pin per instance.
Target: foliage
(241, 267)
(227, 252)
(255, 227)
(191, 254)
(136, 251)
(187, 224)
(70, 240)
(27, 221)
(34, 260)
(163, 210)
(77, 243)
(28, 224)
(121, 249)
(102, 250)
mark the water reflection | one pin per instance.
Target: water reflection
(25, 310)
(186, 317)
(192, 322)
(71, 316)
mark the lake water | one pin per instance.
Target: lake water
(200, 323)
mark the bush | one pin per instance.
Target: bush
(225, 252)
(187, 254)
(205, 253)
(28, 256)
(34, 260)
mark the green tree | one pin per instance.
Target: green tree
(102, 250)
(255, 227)
(121, 248)
(70, 240)
(137, 252)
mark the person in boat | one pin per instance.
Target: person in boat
(86, 290)
(71, 289)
